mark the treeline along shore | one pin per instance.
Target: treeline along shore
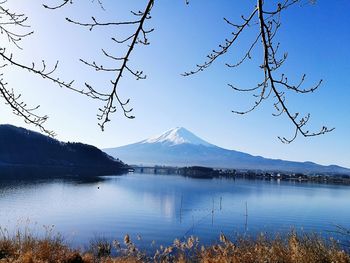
(207, 172)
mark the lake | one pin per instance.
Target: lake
(165, 207)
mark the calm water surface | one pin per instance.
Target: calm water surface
(165, 207)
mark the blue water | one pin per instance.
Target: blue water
(161, 208)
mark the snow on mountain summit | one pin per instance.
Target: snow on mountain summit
(177, 136)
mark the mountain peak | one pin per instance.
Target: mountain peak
(175, 136)
(180, 147)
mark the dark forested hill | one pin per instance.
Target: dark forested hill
(27, 150)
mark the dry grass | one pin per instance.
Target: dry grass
(26, 248)
(293, 249)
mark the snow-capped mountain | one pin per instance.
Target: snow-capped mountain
(177, 136)
(180, 147)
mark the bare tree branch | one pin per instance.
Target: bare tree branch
(59, 5)
(271, 64)
(223, 48)
(21, 109)
(46, 73)
(9, 21)
(268, 23)
(95, 23)
(139, 36)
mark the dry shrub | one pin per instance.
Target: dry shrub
(293, 249)
(25, 248)
(100, 247)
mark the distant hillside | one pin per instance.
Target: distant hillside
(31, 152)
(180, 147)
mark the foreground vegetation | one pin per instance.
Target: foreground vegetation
(23, 247)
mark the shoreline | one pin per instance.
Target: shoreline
(201, 172)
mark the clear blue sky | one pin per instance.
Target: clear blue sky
(316, 38)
